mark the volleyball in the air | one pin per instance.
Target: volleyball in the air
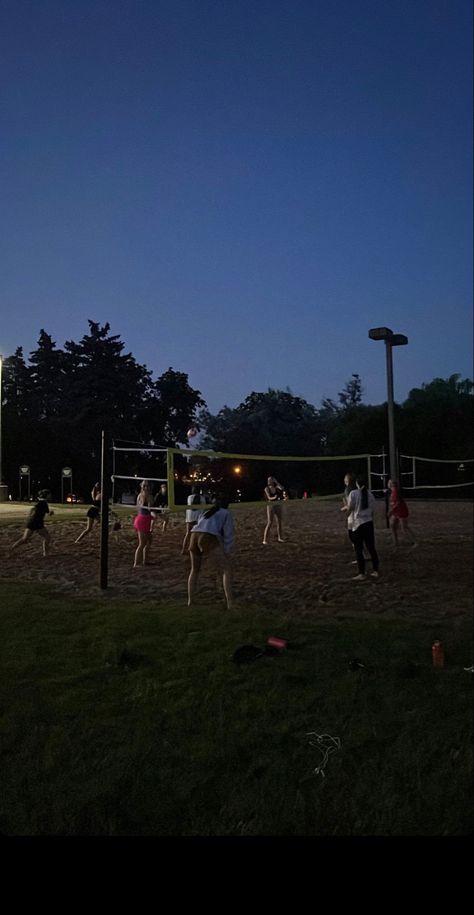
(191, 432)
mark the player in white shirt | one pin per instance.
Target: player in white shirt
(197, 497)
(361, 506)
(213, 530)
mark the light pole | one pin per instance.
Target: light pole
(1, 471)
(390, 339)
(3, 487)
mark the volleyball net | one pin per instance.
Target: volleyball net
(242, 478)
(420, 475)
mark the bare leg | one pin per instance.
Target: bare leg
(25, 537)
(227, 582)
(87, 530)
(145, 548)
(187, 536)
(279, 527)
(394, 530)
(269, 524)
(196, 562)
(44, 534)
(408, 531)
(139, 550)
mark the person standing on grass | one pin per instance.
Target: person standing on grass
(398, 514)
(143, 523)
(214, 530)
(361, 506)
(197, 497)
(35, 522)
(274, 495)
(93, 513)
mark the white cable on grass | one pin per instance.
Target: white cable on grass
(327, 745)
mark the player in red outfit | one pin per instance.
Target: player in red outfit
(398, 514)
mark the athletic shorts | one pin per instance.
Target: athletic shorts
(201, 542)
(401, 511)
(93, 512)
(35, 525)
(142, 523)
(275, 508)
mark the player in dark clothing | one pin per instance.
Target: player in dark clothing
(161, 502)
(35, 522)
(93, 513)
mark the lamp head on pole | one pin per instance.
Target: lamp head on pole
(398, 340)
(380, 333)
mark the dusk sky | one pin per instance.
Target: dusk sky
(242, 188)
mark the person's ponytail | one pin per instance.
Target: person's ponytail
(218, 504)
(364, 496)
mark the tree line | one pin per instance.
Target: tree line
(56, 403)
(55, 407)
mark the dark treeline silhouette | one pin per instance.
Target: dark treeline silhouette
(435, 421)
(55, 407)
(56, 403)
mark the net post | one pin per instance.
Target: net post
(113, 471)
(369, 472)
(104, 519)
(413, 464)
(170, 477)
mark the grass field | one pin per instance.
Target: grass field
(122, 713)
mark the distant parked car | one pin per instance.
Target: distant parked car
(72, 499)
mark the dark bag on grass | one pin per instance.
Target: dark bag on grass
(247, 653)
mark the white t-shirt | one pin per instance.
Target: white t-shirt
(358, 515)
(221, 524)
(194, 499)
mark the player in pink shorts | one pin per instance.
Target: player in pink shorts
(142, 523)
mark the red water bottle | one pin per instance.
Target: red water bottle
(437, 651)
(275, 642)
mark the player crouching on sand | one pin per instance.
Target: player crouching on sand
(214, 530)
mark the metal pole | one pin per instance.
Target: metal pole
(113, 472)
(385, 490)
(104, 521)
(391, 425)
(1, 367)
(170, 477)
(413, 465)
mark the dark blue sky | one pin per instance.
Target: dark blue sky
(241, 187)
